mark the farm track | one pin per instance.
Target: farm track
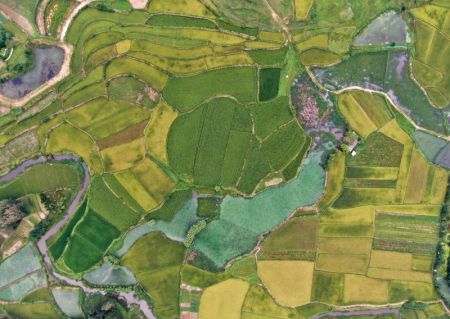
(368, 310)
(40, 16)
(20, 20)
(129, 297)
(65, 27)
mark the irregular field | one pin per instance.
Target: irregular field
(290, 282)
(223, 300)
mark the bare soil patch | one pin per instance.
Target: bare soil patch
(139, 4)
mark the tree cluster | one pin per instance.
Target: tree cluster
(5, 36)
(11, 213)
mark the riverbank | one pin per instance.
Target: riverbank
(129, 297)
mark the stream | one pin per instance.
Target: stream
(129, 297)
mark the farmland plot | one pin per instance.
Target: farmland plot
(42, 310)
(109, 275)
(156, 262)
(68, 300)
(36, 180)
(435, 149)
(182, 112)
(21, 273)
(258, 301)
(394, 79)
(246, 218)
(209, 145)
(19, 147)
(430, 65)
(217, 82)
(385, 29)
(176, 229)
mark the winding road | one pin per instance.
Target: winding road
(129, 297)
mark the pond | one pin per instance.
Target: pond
(48, 61)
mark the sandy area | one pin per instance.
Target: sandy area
(139, 4)
(274, 181)
(13, 249)
(4, 110)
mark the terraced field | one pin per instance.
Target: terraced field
(248, 159)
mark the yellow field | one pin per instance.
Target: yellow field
(360, 215)
(44, 129)
(349, 264)
(219, 61)
(121, 157)
(433, 15)
(436, 310)
(319, 57)
(261, 45)
(438, 188)
(345, 230)
(32, 310)
(154, 180)
(129, 181)
(335, 179)
(360, 289)
(355, 115)
(378, 172)
(355, 245)
(432, 29)
(417, 179)
(288, 281)
(158, 129)
(259, 304)
(67, 138)
(391, 260)
(319, 41)
(374, 105)
(215, 37)
(407, 290)
(407, 275)
(276, 37)
(422, 263)
(425, 210)
(168, 51)
(123, 46)
(124, 65)
(226, 49)
(302, 8)
(393, 130)
(171, 65)
(184, 7)
(92, 112)
(224, 300)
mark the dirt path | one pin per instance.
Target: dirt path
(19, 19)
(71, 16)
(40, 16)
(372, 312)
(278, 20)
